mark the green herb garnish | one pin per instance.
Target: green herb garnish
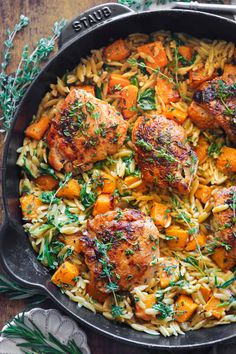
(194, 262)
(164, 310)
(49, 198)
(146, 100)
(87, 198)
(227, 283)
(116, 311)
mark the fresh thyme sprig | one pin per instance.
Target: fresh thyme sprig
(134, 62)
(34, 341)
(18, 292)
(13, 86)
(8, 44)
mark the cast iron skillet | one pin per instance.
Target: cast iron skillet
(93, 29)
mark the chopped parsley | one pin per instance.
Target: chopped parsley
(146, 100)
(214, 149)
(48, 255)
(87, 198)
(223, 92)
(117, 311)
(90, 107)
(49, 198)
(129, 252)
(163, 309)
(72, 217)
(145, 145)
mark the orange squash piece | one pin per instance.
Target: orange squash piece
(72, 241)
(29, 206)
(166, 90)
(202, 149)
(206, 293)
(223, 258)
(70, 190)
(203, 193)
(198, 241)
(213, 307)
(175, 114)
(128, 101)
(46, 183)
(226, 162)
(37, 129)
(184, 308)
(156, 52)
(116, 51)
(149, 301)
(117, 82)
(160, 215)
(109, 183)
(168, 271)
(180, 237)
(66, 274)
(104, 203)
(186, 52)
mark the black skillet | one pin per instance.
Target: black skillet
(93, 29)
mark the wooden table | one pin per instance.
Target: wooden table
(43, 14)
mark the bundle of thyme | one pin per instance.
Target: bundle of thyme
(13, 86)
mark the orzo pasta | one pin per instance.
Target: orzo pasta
(128, 182)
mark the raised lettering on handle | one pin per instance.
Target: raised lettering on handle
(92, 19)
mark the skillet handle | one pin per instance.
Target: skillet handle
(18, 258)
(91, 18)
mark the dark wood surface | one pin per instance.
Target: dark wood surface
(43, 14)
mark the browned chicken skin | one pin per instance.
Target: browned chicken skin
(224, 222)
(214, 103)
(125, 242)
(86, 130)
(164, 156)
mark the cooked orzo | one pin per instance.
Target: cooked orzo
(128, 182)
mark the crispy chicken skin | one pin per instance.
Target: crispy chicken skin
(209, 107)
(85, 130)
(163, 155)
(224, 222)
(130, 242)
